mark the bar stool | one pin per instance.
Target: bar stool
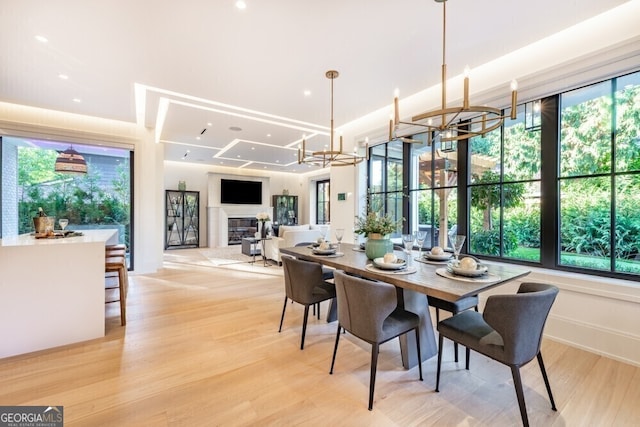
(116, 270)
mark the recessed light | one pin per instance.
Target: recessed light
(307, 92)
(268, 135)
(77, 100)
(209, 124)
(63, 76)
(240, 4)
(42, 39)
(198, 138)
(253, 148)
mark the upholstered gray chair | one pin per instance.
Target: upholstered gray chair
(304, 284)
(508, 331)
(454, 308)
(369, 310)
(327, 272)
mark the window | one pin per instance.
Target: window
(99, 199)
(433, 191)
(323, 202)
(556, 187)
(504, 185)
(599, 176)
(386, 180)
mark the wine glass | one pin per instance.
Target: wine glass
(457, 241)
(339, 236)
(407, 239)
(420, 236)
(63, 223)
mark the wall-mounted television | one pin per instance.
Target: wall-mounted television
(238, 192)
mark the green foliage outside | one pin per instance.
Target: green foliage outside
(80, 198)
(586, 151)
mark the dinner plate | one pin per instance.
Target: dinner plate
(440, 257)
(379, 262)
(479, 271)
(319, 251)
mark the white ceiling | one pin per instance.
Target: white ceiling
(205, 61)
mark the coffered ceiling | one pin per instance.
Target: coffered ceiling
(221, 85)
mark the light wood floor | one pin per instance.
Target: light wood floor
(202, 348)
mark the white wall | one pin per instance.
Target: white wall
(197, 179)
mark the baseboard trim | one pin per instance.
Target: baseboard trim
(610, 343)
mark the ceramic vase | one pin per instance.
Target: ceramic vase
(377, 245)
(263, 229)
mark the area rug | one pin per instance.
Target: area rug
(230, 257)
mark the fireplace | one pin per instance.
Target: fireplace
(240, 228)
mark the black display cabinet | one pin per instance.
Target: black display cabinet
(182, 219)
(285, 209)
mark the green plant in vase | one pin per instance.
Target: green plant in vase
(377, 229)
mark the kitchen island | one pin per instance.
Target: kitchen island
(52, 291)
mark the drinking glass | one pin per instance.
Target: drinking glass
(407, 240)
(457, 241)
(339, 236)
(63, 223)
(420, 236)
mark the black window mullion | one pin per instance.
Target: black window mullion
(549, 185)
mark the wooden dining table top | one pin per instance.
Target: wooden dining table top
(425, 279)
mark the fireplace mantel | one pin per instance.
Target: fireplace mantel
(218, 220)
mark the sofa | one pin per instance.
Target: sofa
(291, 235)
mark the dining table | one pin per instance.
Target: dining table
(420, 279)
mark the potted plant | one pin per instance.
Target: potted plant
(377, 229)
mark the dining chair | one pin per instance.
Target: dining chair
(508, 331)
(327, 272)
(454, 308)
(305, 285)
(369, 310)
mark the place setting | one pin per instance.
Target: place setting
(435, 256)
(327, 249)
(390, 264)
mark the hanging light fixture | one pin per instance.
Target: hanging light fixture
(456, 123)
(330, 157)
(70, 161)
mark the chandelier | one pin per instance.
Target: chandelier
(455, 123)
(330, 157)
(71, 162)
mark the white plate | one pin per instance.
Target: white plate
(379, 262)
(441, 257)
(323, 251)
(479, 271)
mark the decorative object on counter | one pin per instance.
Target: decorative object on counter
(63, 223)
(285, 192)
(70, 161)
(377, 229)
(182, 185)
(262, 218)
(43, 224)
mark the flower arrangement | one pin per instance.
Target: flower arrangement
(263, 216)
(372, 223)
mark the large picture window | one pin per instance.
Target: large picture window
(556, 187)
(504, 185)
(101, 198)
(598, 178)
